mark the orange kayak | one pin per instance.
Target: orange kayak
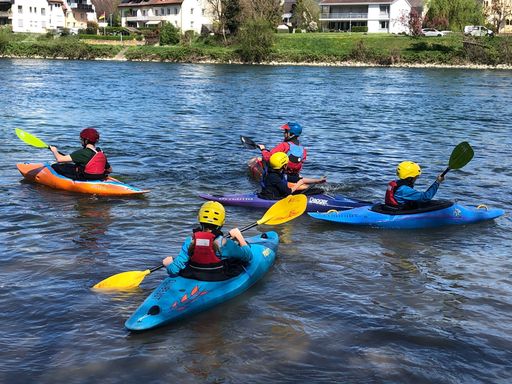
(44, 174)
(256, 169)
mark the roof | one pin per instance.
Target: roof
(356, 2)
(141, 3)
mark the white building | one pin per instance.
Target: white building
(184, 14)
(33, 16)
(380, 16)
(37, 16)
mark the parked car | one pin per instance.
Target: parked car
(477, 30)
(431, 32)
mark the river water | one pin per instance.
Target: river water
(339, 304)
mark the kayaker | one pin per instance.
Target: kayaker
(274, 180)
(207, 255)
(291, 146)
(401, 193)
(90, 162)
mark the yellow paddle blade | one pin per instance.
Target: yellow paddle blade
(29, 139)
(123, 280)
(285, 210)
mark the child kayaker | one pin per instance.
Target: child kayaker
(90, 162)
(401, 193)
(274, 181)
(207, 255)
(291, 146)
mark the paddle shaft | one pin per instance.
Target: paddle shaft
(445, 172)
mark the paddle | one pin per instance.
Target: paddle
(248, 142)
(284, 210)
(461, 155)
(32, 140)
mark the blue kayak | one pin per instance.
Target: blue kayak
(437, 213)
(316, 203)
(178, 297)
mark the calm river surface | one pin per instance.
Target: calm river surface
(339, 304)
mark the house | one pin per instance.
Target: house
(36, 16)
(184, 14)
(5, 12)
(380, 16)
(288, 6)
(78, 13)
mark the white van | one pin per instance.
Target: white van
(477, 30)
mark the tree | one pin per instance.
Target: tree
(411, 20)
(232, 15)
(256, 39)
(271, 10)
(169, 34)
(498, 12)
(304, 13)
(226, 14)
(458, 13)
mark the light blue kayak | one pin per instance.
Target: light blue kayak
(438, 213)
(177, 297)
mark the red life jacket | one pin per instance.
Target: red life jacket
(390, 194)
(203, 250)
(96, 164)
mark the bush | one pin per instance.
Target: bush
(359, 29)
(297, 30)
(5, 37)
(189, 35)
(169, 34)
(255, 40)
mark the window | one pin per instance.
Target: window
(191, 25)
(20, 10)
(383, 25)
(156, 12)
(43, 24)
(175, 11)
(143, 12)
(20, 23)
(74, 15)
(43, 11)
(168, 11)
(30, 9)
(191, 11)
(81, 15)
(35, 9)
(203, 12)
(384, 9)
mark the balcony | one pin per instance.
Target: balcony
(5, 14)
(82, 7)
(343, 16)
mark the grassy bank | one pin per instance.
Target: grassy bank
(330, 48)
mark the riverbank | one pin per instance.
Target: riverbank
(355, 50)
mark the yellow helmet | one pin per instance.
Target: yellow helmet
(278, 160)
(212, 212)
(408, 169)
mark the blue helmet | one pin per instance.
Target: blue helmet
(294, 128)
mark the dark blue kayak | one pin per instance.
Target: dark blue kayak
(316, 203)
(438, 213)
(177, 297)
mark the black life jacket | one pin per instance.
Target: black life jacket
(270, 192)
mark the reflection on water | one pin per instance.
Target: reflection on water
(339, 304)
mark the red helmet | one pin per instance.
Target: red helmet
(90, 134)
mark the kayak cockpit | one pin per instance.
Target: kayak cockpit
(431, 206)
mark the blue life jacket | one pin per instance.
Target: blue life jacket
(296, 155)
